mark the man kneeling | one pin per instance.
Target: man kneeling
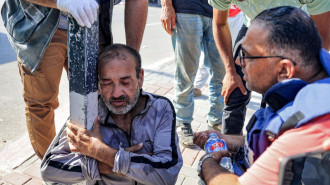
(281, 58)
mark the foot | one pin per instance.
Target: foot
(186, 135)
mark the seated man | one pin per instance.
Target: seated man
(133, 140)
(282, 58)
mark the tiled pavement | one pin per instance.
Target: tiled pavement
(21, 167)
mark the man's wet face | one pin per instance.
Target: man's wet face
(120, 87)
(122, 104)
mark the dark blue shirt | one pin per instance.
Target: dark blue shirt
(200, 7)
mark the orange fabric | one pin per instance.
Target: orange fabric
(304, 139)
(40, 91)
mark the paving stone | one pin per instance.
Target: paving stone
(33, 171)
(169, 96)
(203, 112)
(37, 162)
(189, 155)
(12, 156)
(16, 178)
(200, 154)
(201, 119)
(189, 171)
(34, 182)
(190, 181)
(171, 91)
(162, 91)
(202, 127)
(168, 85)
(179, 181)
(182, 148)
(195, 126)
(153, 89)
(32, 160)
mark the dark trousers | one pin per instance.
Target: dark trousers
(234, 111)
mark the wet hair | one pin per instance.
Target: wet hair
(121, 52)
(291, 33)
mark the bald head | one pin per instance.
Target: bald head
(120, 52)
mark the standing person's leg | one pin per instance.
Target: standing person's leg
(40, 90)
(234, 111)
(186, 39)
(202, 73)
(214, 64)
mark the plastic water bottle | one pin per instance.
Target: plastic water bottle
(214, 144)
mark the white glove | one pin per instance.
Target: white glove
(84, 11)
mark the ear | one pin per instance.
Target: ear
(141, 78)
(287, 70)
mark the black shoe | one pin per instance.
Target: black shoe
(186, 135)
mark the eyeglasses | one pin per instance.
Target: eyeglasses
(242, 56)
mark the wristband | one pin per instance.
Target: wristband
(200, 164)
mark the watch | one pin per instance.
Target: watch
(199, 169)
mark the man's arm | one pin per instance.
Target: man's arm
(214, 174)
(135, 21)
(62, 166)
(90, 143)
(322, 23)
(106, 169)
(168, 16)
(223, 41)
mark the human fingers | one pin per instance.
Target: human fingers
(173, 22)
(220, 154)
(72, 127)
(200, 139)
(72, 139)
(167, 26)
(84, 17)
(88, 11)
(95, 6)
(242, 88)
(77, 17)
(225, 96)
(73, 148)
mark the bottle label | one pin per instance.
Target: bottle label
(216, 145)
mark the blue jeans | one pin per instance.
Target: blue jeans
(192, 35)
